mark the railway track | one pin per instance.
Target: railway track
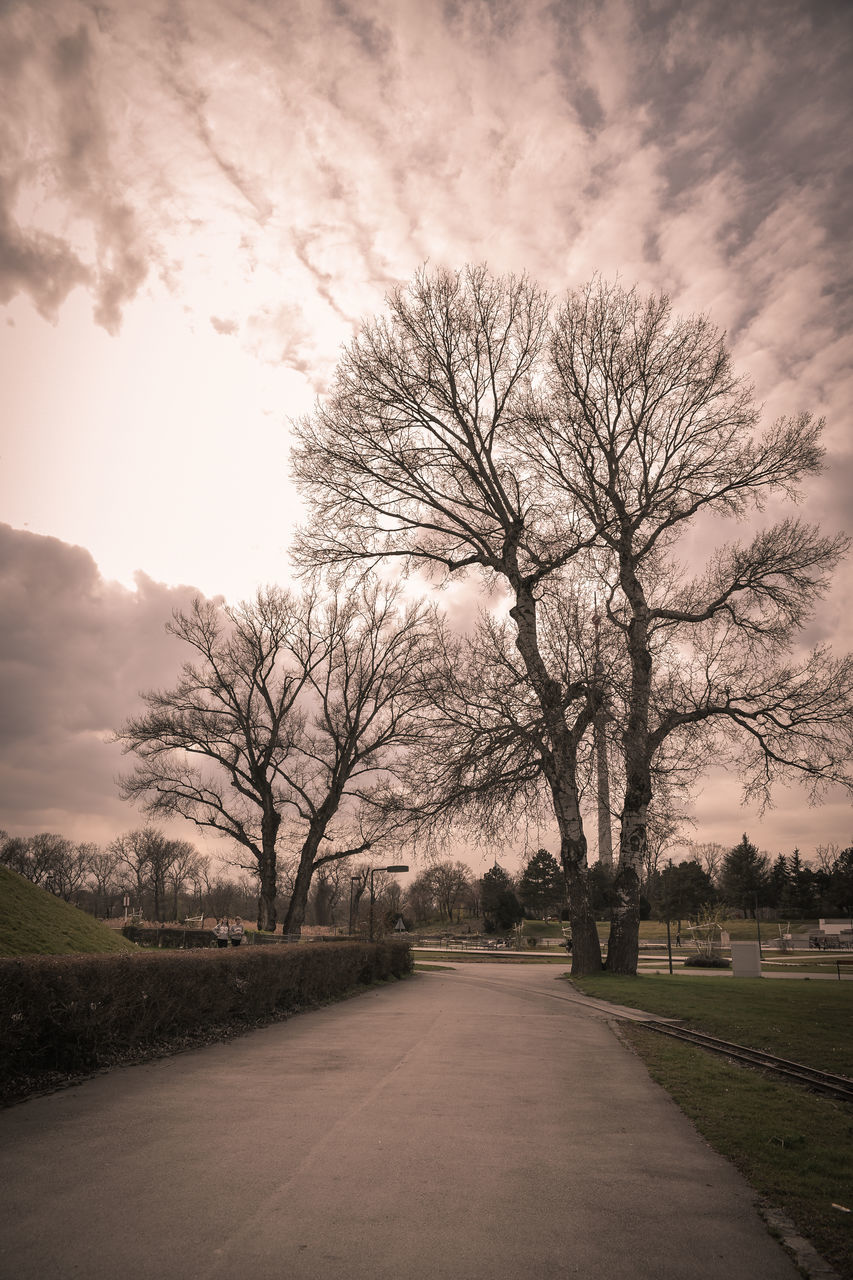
(823, 1081)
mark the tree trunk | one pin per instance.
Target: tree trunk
(268, 887)
(266, 896)
(295, 915)
(623, 948)
(586, 948)
(605, 834)
(559, 765)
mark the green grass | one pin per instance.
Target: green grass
(811, 962)
(808, 1022)
(738, 930)
(542, 929)
(34, 922)
(792, 1146)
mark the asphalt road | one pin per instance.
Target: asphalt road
(475, 1124)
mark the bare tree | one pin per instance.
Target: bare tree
(414, 457)
(327, 892)
(449, 882)
(295, 714)
(183, 870)
(132, 852)
(645, 426)
(826, 857)
(369, 691)
(51, 861)
(709, 854)
(71, 869)
(235, 712)
(420, 899)
(103, 879)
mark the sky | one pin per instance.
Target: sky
(200, 200)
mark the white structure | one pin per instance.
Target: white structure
(746, 960)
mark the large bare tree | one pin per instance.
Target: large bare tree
(414, 457)
(643, 427)
(290, 716)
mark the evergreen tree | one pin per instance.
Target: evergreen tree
(746, 876)
(542, 887)
(501, 908)
(779, 883)
(681, 890)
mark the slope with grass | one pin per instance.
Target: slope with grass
(34, 922)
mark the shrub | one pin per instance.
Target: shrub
(62, 1015)
(707, 962)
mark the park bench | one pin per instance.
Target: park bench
(843, 962)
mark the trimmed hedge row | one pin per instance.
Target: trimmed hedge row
(67, 1015)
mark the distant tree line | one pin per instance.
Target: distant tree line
(748, 881)
(159, 878)
(167, 880)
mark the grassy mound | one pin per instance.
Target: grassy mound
(34, 922)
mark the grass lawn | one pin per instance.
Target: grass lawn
(792, 1146)
(809, 1022)
(34, 922)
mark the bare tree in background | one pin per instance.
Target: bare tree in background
(103, 879)
(326, 893)
(369, 691)
(51, 861)
(292, 715)
(450, 883)
(709, 854)
(644, 427)
(132, 862)
(234, 710)
(183, 871)
(414, 457)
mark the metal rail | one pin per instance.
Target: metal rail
(823, 1081)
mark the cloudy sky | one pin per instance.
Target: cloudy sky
(198, 200)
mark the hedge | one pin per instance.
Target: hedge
(62, 1016)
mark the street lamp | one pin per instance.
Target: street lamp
(372, 869)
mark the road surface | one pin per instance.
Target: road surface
(475, 1123)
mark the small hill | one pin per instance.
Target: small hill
(34, 922)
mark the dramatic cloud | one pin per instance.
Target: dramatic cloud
(74, 653)
(225, 187)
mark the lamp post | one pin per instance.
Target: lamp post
(668, 914)
(372, 869)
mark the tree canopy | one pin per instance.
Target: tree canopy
(564, 450)
(286, 726)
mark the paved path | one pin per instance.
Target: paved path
(473, 1124)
